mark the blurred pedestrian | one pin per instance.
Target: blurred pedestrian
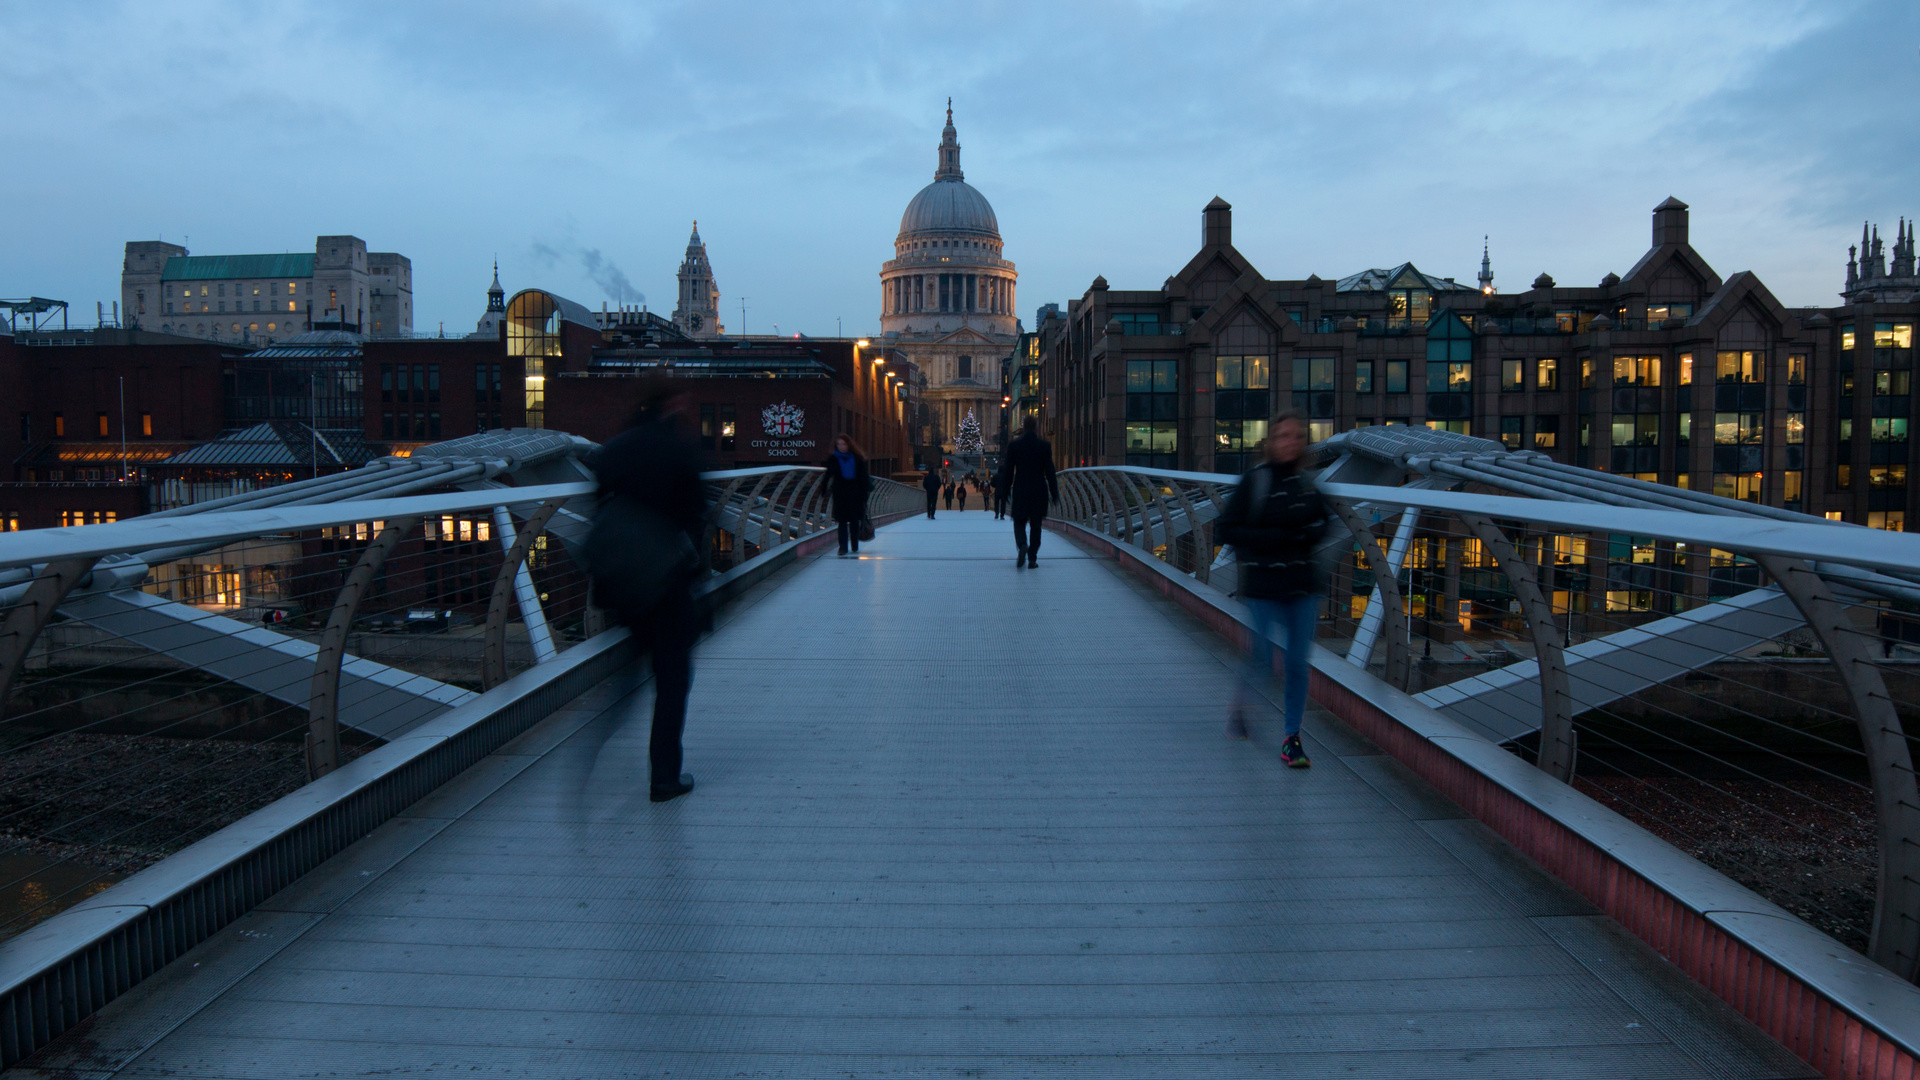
(848, 483)
(949, 494)
(1273, 521)
(645, 552)
(961, 492)
(930, 483)
(1026, 475)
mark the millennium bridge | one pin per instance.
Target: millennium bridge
(348, 777)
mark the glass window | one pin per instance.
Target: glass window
(1890, 520)
(1511, 376)
(1510, 431)
(1738, 428)
(1363, 377)
(1153, 407)
(1396, 376)
(1586, 373)
(1885, 429)
(1743, 486)
(1796, 427)
(729, 428)
(1740, 367)
(1313, 373)
(1846, 337)
(1796, 370)
(1546, 373)
(1685, 433)
(1546, 432)
(1460, 378)
(1636, 371)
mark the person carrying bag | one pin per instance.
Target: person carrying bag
(848, 483)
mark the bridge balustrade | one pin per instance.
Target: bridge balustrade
(1739, 686)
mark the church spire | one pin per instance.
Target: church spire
(1486, 269)
(949, 151)
(496, 296)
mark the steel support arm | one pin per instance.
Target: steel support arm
(27, 618)
(323, 700)
(1393, 620)
(1556, 699)
(1895, 943)
(493, 663)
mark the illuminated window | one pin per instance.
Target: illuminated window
(1888, 335)
(1510, 431)
(1636, 371)
(533, 335)
(100, 424)
(1887, 429)
(1546, 433)
(59, 426)
(1153, 405)
(146, 423)
(1846, 337)
(1243, 401)
(1511, 379)
(1363, 377)
(1740, 367)
(1796, 370)
(1890, 520)
(1546, 373)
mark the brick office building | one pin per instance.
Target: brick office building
(1670, 373)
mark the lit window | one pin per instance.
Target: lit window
(1740, 367)
(146, 423)
(1846, 337)
(1511, 378)
(1546, 373)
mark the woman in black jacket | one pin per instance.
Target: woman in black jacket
(1273, 521)
(847, 485)
(930, 483)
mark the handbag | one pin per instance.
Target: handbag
(864, 530)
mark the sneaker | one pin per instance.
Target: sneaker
(1237, 725)
(1293, 755)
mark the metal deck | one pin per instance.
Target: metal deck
(953, 820)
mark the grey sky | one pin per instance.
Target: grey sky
(576, 140)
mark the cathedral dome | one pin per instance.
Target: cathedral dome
(949, 206)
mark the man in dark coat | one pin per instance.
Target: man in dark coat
(848, 484)
(1274, 519)
(656, 464)
(1027, 477)
(931, 485)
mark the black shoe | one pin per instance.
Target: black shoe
(664, 792)
(1033, 562)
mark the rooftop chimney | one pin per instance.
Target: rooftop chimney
(1670, 223)
(1218, 223)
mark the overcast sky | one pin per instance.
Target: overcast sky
(577, 140)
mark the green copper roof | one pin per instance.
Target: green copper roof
(229, 267)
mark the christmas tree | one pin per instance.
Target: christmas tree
(968, 441)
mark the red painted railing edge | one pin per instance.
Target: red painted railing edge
(1835, 1009)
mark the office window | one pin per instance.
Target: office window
(1546, 373)
(1137, 323)
(1733, 429)
(1686, 369)
(1796, 370)
(1512, 378)
(1891, 383)
(1740, 367)
(1153, 407)
(1685, 432)
(386, 425)
(100, 424)
(1396, 376)
(1743, 486)
(1885, 428)
(728, 428)
(1636, 371)
(146, 424)
(1846, 338)
(1887, 335)
(1510, 431)
(1890, 520)
(433, 382)
(1363, 377)
(59, 426)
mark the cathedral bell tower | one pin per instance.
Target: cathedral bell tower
(697, 314)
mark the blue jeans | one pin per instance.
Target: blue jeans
(1296, 619)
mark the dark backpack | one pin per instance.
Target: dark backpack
(634, 557)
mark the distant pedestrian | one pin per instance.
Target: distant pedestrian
(649, 536)
(930, 484)
(961, 492)
(848, 483)
(949, 495)
(1026, 475)
(1273, 521)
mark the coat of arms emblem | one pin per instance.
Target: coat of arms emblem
(782, 420)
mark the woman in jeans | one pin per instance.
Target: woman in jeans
(1273, 521)
(847, 485)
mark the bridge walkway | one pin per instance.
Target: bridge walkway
(953, 819)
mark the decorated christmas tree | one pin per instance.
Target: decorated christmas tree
(968, 440)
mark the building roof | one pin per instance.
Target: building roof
(949, 206)
(208, 267)
(339, 343)
(284, 443)
(1404, 276)
(568, 310)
